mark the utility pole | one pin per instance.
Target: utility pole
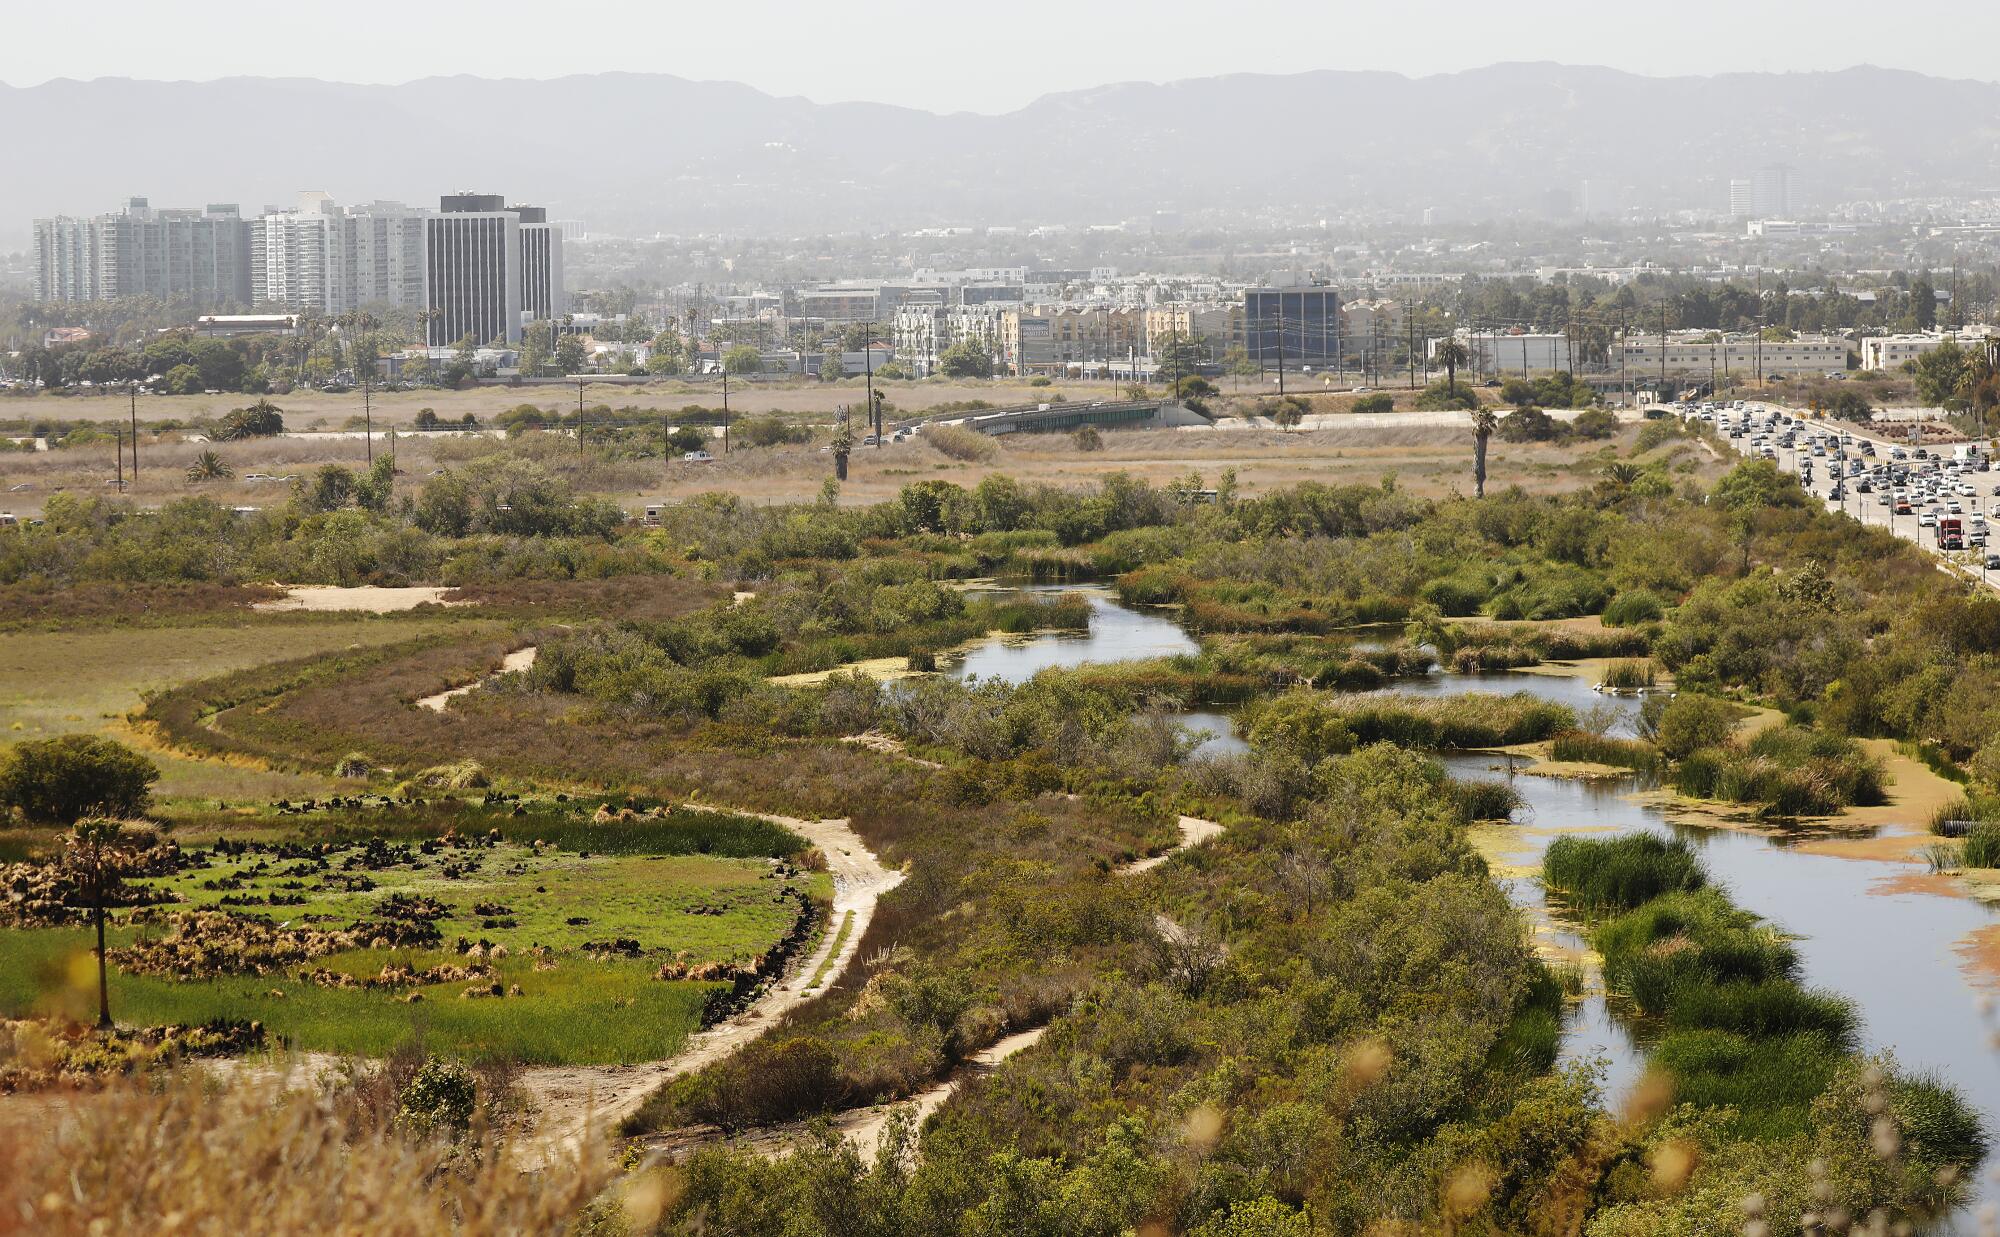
(868, 368)
(1661, 394)
(368, 418)
(725, 409)
(1281, 345)
(1623, 351)
(118, 438)
(579, 416)
(132, 394)
(1410, 321)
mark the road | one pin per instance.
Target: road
(1968, 564)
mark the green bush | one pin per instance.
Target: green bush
(60, 781)
(440, 1097)
(1379, 401)
(1631, 608)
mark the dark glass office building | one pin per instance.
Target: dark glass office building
(1291, 326)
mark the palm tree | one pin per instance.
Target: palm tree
(1454, 354)
(1483, 423)
(208, 466)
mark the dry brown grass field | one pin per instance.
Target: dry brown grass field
(1431, 459)
(302, 408)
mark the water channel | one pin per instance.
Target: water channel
(1861, 928)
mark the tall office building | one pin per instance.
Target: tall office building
(1772, 193)
(1292, 326)
(472, 255)
(1741, 199)
(199, 258)
(542, 297)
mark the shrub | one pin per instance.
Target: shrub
(1628, 609)
(1620, 873)
(60, 781)
(959, 443)
(1379, 401)
(1690, 722)
(440, 1097)
(1594, 423)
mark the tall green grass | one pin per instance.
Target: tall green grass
(1739, 1031)
(1630, 674)
(1472, 720)
(1581, 747)
(1620, 873)
(1785, 771)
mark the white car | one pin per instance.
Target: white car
(258, 476)
(697, 457)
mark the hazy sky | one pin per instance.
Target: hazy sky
(948, 56)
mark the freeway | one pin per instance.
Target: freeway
(1932, 485)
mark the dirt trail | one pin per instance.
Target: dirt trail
(569, 1099)
(1194, 831)
(888, 745)
(519, 659)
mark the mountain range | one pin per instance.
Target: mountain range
(638, 153)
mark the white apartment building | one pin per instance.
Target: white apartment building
(922, 332)
(1501, 352)
(1896, 351)
(331, 260)
(1693, 352)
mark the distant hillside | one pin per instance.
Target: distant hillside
(639, 152)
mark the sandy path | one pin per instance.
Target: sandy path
(888, 745)
(330, 597)
(519, 659)
(1194, 831)
(570, 1099)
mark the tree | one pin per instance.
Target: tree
(831, 368)
(1177, 353)
(743, 359)
(965, 359)
(96, 855)
(329, 489)
(569, 354)
(1923, 302)
(62, 780)
(1483, 423)
(668, 355)
(208, 466)
(1452, 354)
(1239, 365)
(1943, 374)
(262, 419)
